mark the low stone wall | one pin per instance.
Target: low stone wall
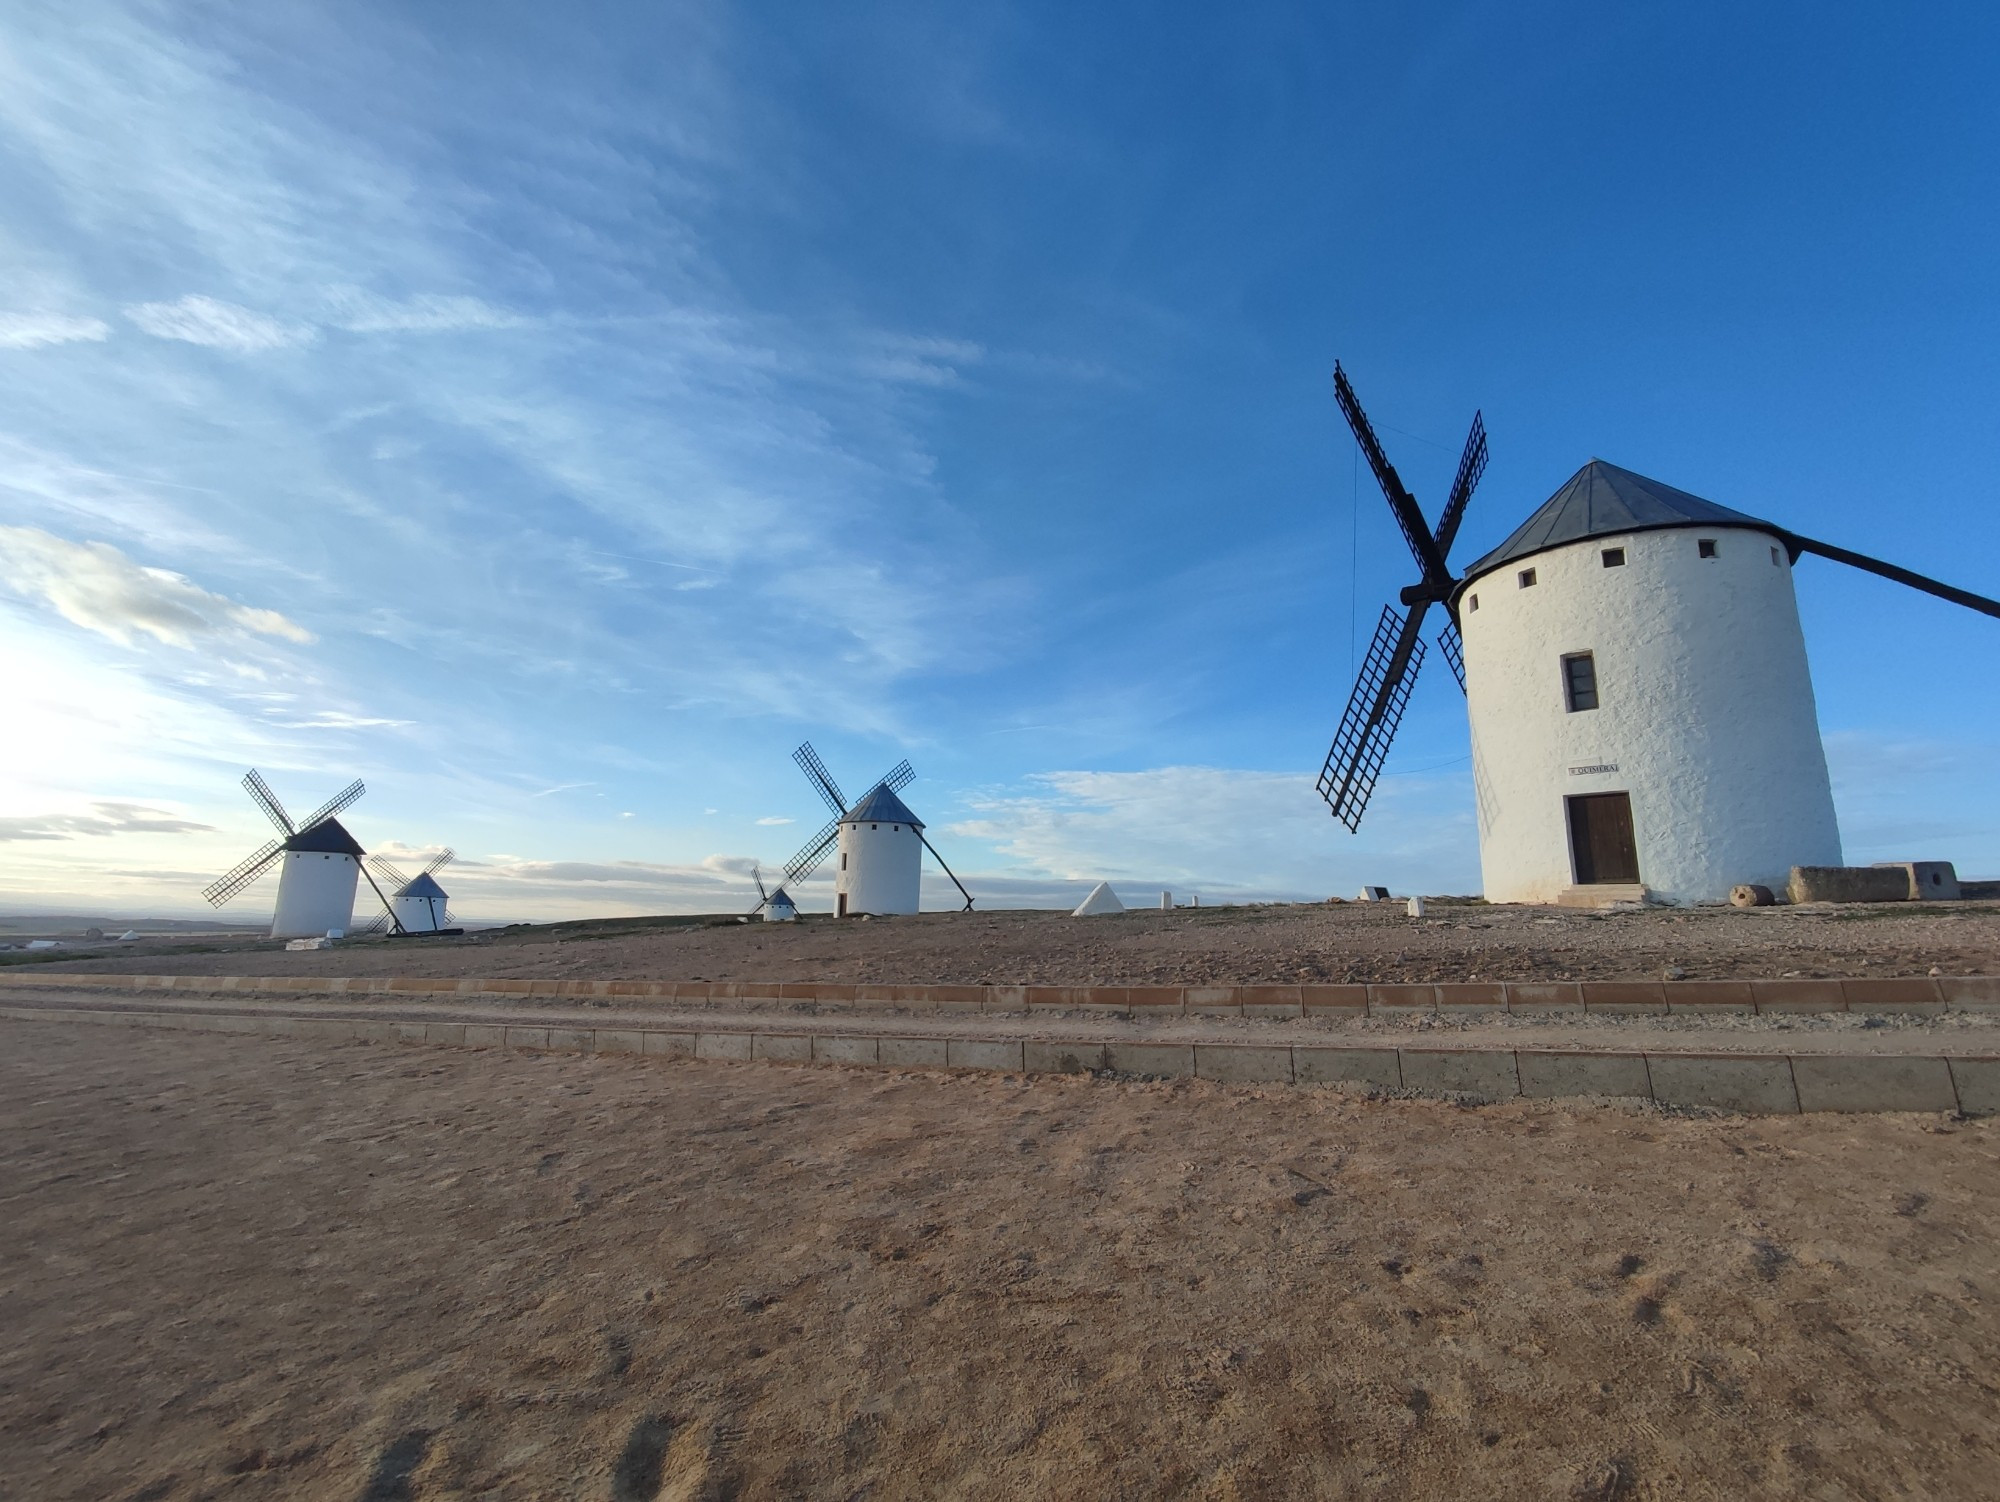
(1917, 995)
(1747, 1083)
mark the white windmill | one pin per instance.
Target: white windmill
(1642, 713)
(321, 865)
(416, 905)
(881, 844)
(773, 906)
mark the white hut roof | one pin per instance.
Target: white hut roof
(420, 886)
(1602, 500)
(328, 837)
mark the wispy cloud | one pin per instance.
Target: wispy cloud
(105, 819)
(772, 819)
(95, 586)
(195, 319)
(32, 330)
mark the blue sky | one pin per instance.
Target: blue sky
(554, 414)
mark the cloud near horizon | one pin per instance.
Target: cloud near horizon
(110, 818)
(97, 587)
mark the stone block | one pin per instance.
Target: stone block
(1929, 881)
(1243, 1064)
(1970, 992)
(1914, 995)
(722, 1045)
(983, 1053)
(1155, 1000)
(1214, 1001)
(1045, 1056)
(782, 1048)
(1547, 1074)
(1402, 998)
(844, 1050)
(1472, 996)
(1153, 1060)
(1316, 999)
(527, 1037)
(619, 1040)
(485, 1035)
(1977, 1081)
(1812, 997)
(572, 1039)
(450, 1033)
(1544, 996)
(1874, 1082)
(1046, 996)
(669, 1045)
(1756, 1084)
(1006, 999)
(911, 1053)
(1488, 1073)
(1624, 997)
(1848, 884)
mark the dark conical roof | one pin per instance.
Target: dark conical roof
(420, 886)
(328, 837)
(1602, 500)
(881, 807)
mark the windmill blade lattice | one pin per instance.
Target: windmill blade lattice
(1453, 646)
(388, 872)
(1354, 761)
(820, 778)
(261, 794)
(807, 861)
(439, 861)
(1471, 465)
(335, 804)
(220, 891)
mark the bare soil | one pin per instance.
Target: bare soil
(245, 1267)
(1279, 943)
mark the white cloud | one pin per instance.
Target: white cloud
(32, 330)
(333, 719)
(362, 312)
(105, 819)
(773, 819)
(93, 585)
(195, 319)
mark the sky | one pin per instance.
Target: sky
(553, 415)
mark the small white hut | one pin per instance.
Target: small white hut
(881, 857)
(779, 908)
(1642, 714)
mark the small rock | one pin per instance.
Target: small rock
(1674, 972)
(1937, 970)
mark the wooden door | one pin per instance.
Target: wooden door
(1601, 842)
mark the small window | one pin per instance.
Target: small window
(843, 860)
(1774, 557)
(1472, 602)
(1614, 558)
(1527, 578)
(1706, 547)
(1580, 682)
(874, 826)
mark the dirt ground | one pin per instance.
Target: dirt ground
(237, 1267)
(1273, 944)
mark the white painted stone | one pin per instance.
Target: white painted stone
(1101, 900)
(1706, 714)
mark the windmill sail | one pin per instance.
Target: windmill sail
(1375, 709)
(252, 867)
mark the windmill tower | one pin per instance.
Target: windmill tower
(416, 905)
(881, 844)
(321, 865)
(1642, 713)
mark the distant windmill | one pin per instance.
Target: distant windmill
(416, 905)
(322, 864)
(881, 844)
(775, 906)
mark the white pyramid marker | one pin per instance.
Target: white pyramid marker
(1101, 900)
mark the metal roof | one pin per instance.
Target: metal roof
(881, 807)
(420, 886)
(1602, 500)
(780, 898)
(328, 837)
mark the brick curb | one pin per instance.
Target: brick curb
(1755, 1084)
(1919, 995)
